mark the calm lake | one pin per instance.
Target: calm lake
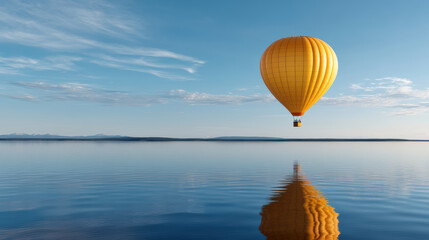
(214, 190)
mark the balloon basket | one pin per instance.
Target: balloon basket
(297, 124)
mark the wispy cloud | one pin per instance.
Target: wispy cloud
(140, 64)
(393, 93)
(77, 26)
(63, 24)
(13, 65)
(42, 91)
(28, 98)
(196, 98)
(81, 92)
(145, 63)
(396, 95)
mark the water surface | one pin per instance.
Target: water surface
(208, 190)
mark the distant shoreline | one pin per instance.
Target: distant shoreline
(220, 139)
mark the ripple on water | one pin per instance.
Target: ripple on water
(170, 191)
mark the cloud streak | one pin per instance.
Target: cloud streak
(81, 92)
(13, 65)
(76, 27)
(197, 98)
(393, 93)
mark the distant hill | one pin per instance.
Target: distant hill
(248, 138)
(101, 137)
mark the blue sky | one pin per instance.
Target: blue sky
(191, 68)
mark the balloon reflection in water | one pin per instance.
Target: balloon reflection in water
(299, 212)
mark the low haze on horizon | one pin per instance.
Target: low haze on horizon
(191, 69)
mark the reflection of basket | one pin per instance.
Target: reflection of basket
(297, 124)
(299, 212)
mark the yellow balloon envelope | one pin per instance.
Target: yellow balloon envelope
(298, 71)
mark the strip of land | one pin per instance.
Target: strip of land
(48, 137)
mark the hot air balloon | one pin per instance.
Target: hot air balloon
(298, 71)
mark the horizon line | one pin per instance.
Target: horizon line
(100, 137)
